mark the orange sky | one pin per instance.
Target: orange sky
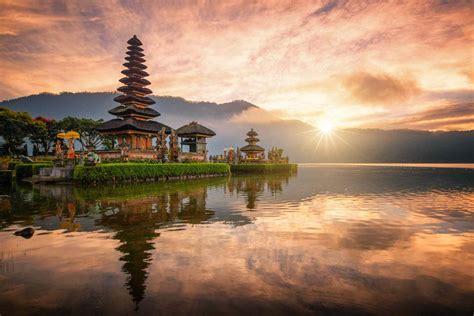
(345, 63)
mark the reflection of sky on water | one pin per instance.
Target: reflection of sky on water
(329, 240)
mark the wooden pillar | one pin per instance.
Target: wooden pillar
(133, 144)
(139, 141)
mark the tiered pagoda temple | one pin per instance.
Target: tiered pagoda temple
(252, 151)
(134, 128)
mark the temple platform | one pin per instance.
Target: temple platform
(132, 154)
(54, 175)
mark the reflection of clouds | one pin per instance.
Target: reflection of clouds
(372, 236)
(341, 242)
(292, 267)
(53, 271)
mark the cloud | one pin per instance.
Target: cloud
(227, 50)
(254, 115)
(444, 117)
(448, 111)
(380, 89)
(458, 96)
(328, 7)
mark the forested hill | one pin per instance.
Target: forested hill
(95, 105)
(300, 140)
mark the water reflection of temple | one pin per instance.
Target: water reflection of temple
(136, 214)
(135, 227)
(136, 222)
(252, 188)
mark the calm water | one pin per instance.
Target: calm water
(329, 240)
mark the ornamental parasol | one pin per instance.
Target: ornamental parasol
(61, 135)
(72, 135)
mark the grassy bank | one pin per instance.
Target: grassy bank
(27, 170)
(254, 168)
(138, 190)
(140, 171)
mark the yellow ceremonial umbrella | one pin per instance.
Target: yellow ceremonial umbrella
(72, 135)
(61, 135)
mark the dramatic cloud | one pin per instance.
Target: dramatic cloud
(446, 117)
(379, 88)
(353, 62)
(325, 8)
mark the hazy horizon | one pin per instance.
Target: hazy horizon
(223, 104)
(301, 141)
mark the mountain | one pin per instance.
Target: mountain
(96, 105)
(232, 120)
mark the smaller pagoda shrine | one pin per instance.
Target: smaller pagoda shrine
(133, 129)
(252, 151)
(193, 141)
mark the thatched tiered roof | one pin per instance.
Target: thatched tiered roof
(132, 124)
(252, 140)
(133, 112)
(134, 90)
(194, 129)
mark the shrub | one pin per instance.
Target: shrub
(5, 176)
(263, 168)
(142, 171)
(26, 170)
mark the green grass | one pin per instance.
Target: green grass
(142, 171)
(125, 191)
(26, 170)
(254, 168)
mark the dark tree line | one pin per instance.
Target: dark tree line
(16, 128)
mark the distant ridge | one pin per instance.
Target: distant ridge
(96, 104)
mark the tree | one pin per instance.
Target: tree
(38, 131)
(43, 134)
(14, 128)
(85, 127)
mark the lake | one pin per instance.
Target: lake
(328, 240)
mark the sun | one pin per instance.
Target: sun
(326, 127)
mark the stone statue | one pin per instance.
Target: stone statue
(58, 150)
(174, 148)
(230, 155)
(92, 159)
(238, 156)
(159, 145)
(124, 150)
